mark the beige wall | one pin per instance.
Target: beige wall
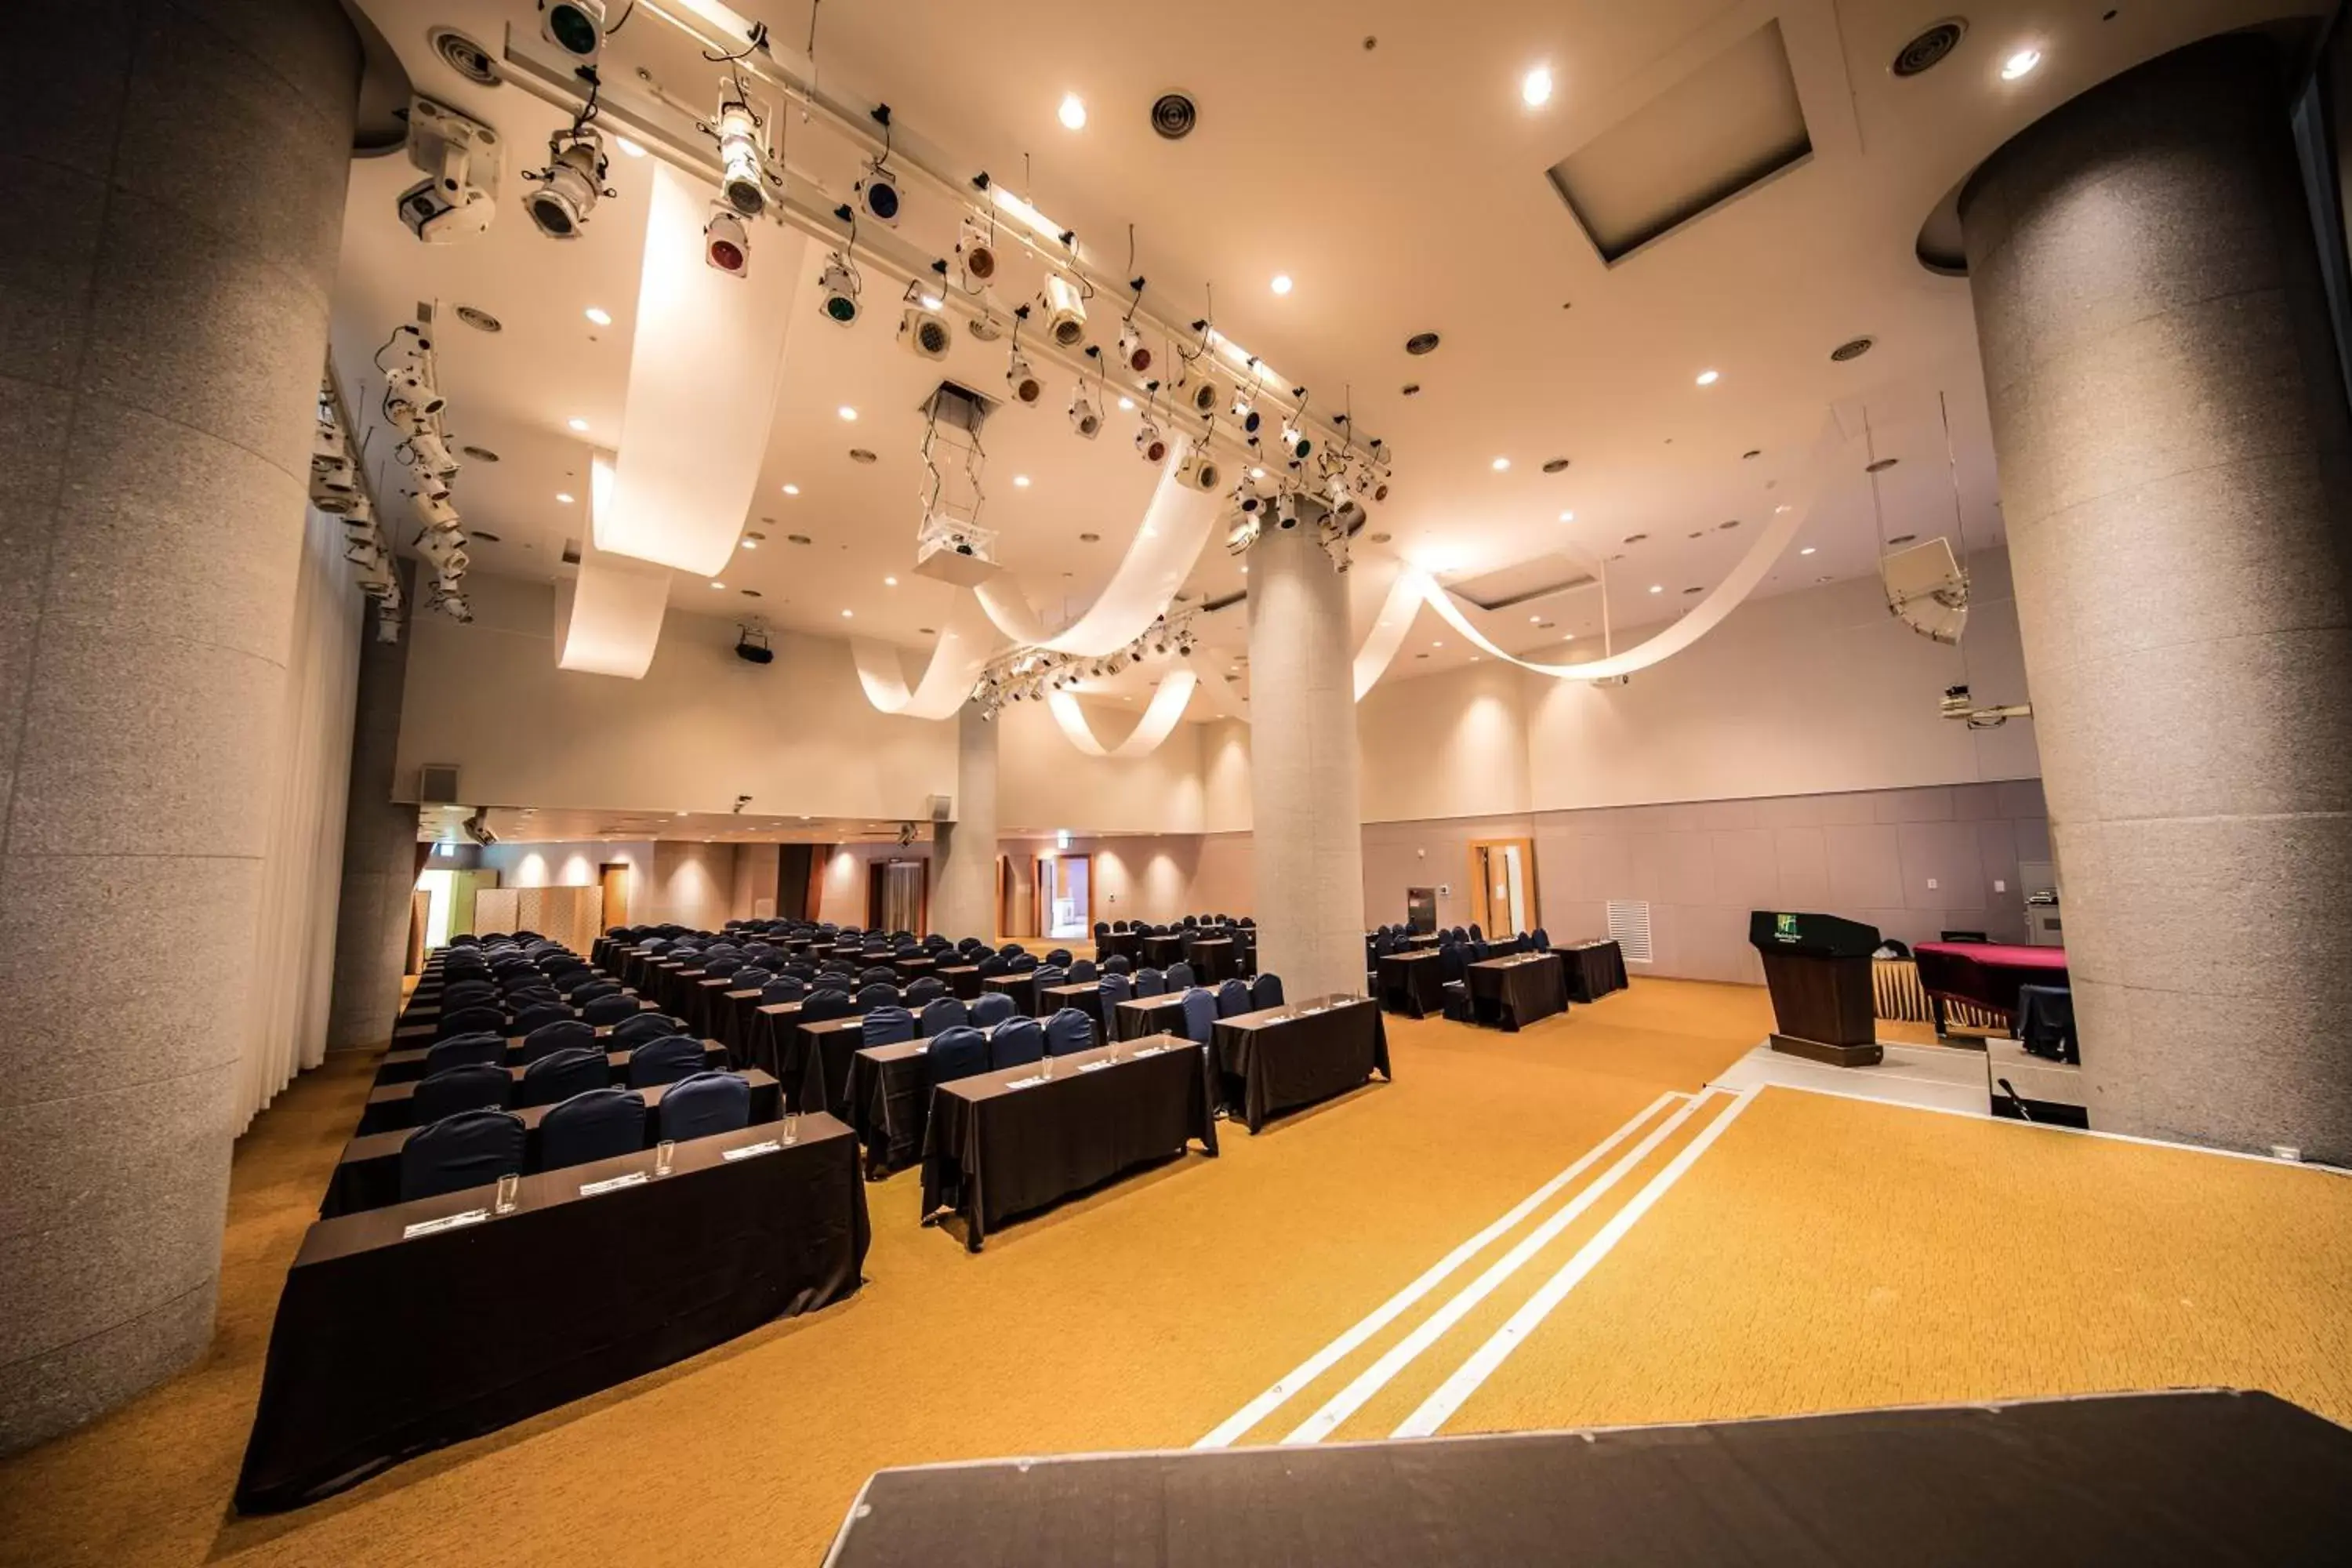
(1044, 784)
(691, 885)
(570, 865)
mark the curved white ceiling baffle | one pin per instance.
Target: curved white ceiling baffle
(1175, 526)
(1158, 720)
(609, 620)
(946, 681)
(1390, 627)
(703, 374)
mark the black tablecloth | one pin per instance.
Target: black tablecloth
(1113, 943)
(963, 979)
(1296, 1055)
(2129, 1479)
(367, 1176)
(888, 1103)
(384, 1347)
(1215, 958)
(1412, 982)
(1160, 951)
(1022, 988)
(1086, 996)
(1515, 992)
(1140, 1016)
(1593, 969)
(993, 1151)
(817, 1065)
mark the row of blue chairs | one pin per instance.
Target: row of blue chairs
(475, 1147)
(1189, 922)
(557, 1075)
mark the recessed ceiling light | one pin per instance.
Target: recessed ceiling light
(1421, 343)
(1501, 464)
(1127, 405)
(1781, 507)
(1282, 283)
(599, 315)
(1437, 645)
(1658, 587)
(1708, 378)
(577, 424)
(1073, 111)
(1536, 619)
(848, 413)
(889, 581)
(715, 584)
(750, 544)
(1020, 481)
(1808, 550)
(1535, 88)
(2020, 64)
(846, 615)
(1568, 517)
(792, 490)
(627, 146)
(563, 496)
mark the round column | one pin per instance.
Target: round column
(1306, 836)
(965, 902)
(2170, 425)
(175, 179)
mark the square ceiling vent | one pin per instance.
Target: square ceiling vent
(1720, 131)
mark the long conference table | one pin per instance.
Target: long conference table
(408, 1327)
(1985, 975)
(1277, 1059)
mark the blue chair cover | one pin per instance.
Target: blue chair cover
(1118, 964)
(638, 1027)
(919, 992)
(481, 1048)
(819, 1006)
(1066, 1031)
(1200, 1016)
(704, 1104)
(1083, 971)
(992, 1008)
(609, 1009)
(776, 991)
(1233, 997)
(472, 1019)
(1016, 1043)
(1179, 976)
(886, 1027)
(600, 1124)
(664, 1060)
(555, 1078)
(877, 996)
(566, 1033)
(1116, 988)
(453, 1089)
(539, 1015)
(942, 1013)
(994, 964)
(1059, 958)
(1150, 983)
(466, 1149)
(959, 1053)
(1266, 990)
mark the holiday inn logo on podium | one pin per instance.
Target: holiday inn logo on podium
(1784, 928)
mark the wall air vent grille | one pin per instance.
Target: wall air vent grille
(1930, 48)
(1629, 928)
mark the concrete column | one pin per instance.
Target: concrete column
(379, 851)
(1307, 839)
(173, 179)
(963, 899)
(2172, 436)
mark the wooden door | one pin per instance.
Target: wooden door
(615, 876)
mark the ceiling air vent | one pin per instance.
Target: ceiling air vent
(1850, 349)
(1629, 928)
(436, 784)
(1174, 114)
(464, 56)
(1722, 131)
(1931, 48)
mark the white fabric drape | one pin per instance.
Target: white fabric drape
(294, 945)
(1158, 720)
(1175, 526)
(947, 680)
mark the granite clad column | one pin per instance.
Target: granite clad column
(379, 850)
(1306, 836)
(173, 178)
(2172, 434)
(965, 902)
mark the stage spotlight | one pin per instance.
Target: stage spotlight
(1084, 418)
(924, 332)
(431, 455)
(410, 398)
(1132, 352)
(434, 512)
(743, 179)
(1295, 443)
(838, 283)
(446, 549)
(1243, 534)
(1286, 511)
(1200, 471)
(575, 27)
(1023, 380)
(976, 254)
(1064, 308)
(877, 193)
(570, 185)
(725, 246)
(1150, 443)
(1244, 409)
(1207, 396)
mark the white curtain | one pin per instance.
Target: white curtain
(294, 944)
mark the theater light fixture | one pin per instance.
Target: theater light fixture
(743, 175)
(570, 185)
(1132, 352)
(575, 27)
(877, 192)
(1022, 381)
(725, 246)
(923, 331)
(837, 285)
(1064, 311)
(975, 254)
(1086, 419)
(1150, 443)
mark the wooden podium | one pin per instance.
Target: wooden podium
(1818, 970)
